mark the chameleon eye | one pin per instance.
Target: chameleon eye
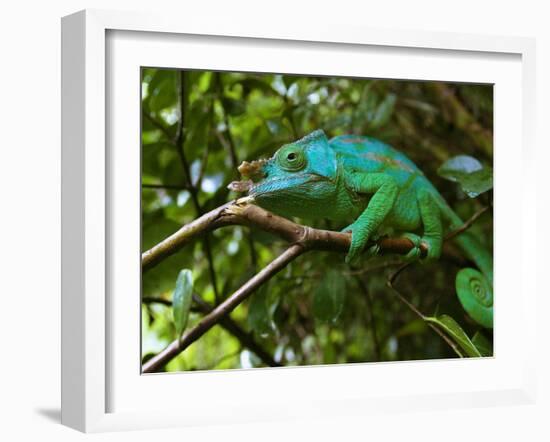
(291, 158)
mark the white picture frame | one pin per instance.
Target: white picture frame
(87, 210)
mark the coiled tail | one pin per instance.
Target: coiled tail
(473, 287)
(476, 296)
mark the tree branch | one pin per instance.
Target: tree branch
(241, 213)
(246, 339)
(183, 236)
(177, 346)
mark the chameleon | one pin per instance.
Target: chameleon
(382, 190)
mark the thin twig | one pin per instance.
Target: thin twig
(252, 247)
(372, 322)
(222, 359)
(246, 339)
(179, 144)
(390, 283)
(231, 147)
(242, 213)
(159, 126)
(156, 300)
(467, 224)
(211, 269)
(165, 186)
(290, 118)
(377, 266)
(204, 163)
(230, 143)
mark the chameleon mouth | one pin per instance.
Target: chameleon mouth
(270, 186)
(240, 186)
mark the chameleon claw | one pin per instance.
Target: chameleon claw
(347, 229)
(358, 242)
(415, 253)
(431, 250)
(353, 252)
(373, 251)
(350, 259)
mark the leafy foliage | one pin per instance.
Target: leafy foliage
(474, 177)
(181, 301)
(450, 326)
(329, 297)
(197, 126)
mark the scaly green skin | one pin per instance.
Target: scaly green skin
(361, 178)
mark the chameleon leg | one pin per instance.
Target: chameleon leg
(431, 221)
(384, 189)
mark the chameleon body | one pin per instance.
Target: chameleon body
(361, 178)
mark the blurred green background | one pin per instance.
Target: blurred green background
(197, 126)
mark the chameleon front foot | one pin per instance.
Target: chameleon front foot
(359, 240)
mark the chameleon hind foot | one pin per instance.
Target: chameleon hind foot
(416, 252)
(432, 246)
(372, 251)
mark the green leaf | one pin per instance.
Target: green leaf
(181, 300)
(288, 113)
(329, 297)
(233, 107)
(455, 332)
(383, 112)
(260, 312)
(151, 154)
(162, 90)
(197, 126)
(474, 177)
(482, 344)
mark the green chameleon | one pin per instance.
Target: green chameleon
(361, 178)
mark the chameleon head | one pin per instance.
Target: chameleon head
(300, 178)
